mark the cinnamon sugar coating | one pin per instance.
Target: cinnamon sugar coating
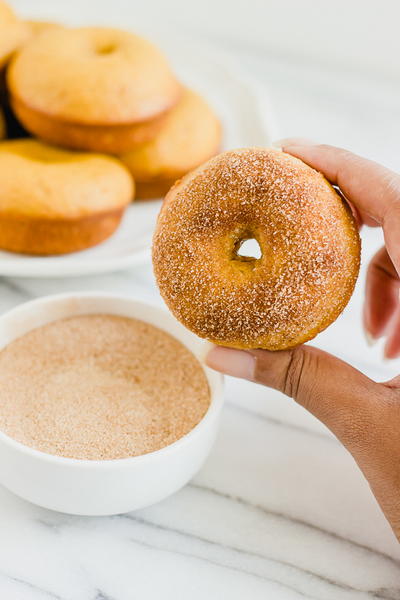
(308, 237)
(100, 387)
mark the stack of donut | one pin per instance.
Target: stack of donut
(100, 112)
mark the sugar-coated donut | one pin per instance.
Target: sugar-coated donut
(91, 88)
(53, 201)
(190, 135)
(13, 33)
(307, 235)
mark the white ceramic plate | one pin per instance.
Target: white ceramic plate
(247, 119)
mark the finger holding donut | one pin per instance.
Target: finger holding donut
(371, 188)
(375, 193)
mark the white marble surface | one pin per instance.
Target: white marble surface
(279, 510)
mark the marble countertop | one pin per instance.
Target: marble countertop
(279, 510)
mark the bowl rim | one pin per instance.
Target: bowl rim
(215, 382)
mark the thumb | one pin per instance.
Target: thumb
(347, 401)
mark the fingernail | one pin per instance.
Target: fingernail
(388, 354)
(388, 357)
(237, 363)
(203, 351)
(371, 340)
(296, 141)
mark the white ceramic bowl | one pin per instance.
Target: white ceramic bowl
(90, 487)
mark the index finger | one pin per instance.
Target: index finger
(373, 189)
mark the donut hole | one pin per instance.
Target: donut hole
(106, 48)
(247, 249)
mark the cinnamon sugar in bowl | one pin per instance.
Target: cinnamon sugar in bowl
(104, 406)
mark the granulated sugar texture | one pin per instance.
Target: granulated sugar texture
(99, 387)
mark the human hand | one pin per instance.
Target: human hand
(364, 415)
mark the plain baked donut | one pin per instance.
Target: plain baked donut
(2, 125)
(91, 88)
(13, 33)
(190, 135)
(308, 239)
(53, 201)
(38, 27)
